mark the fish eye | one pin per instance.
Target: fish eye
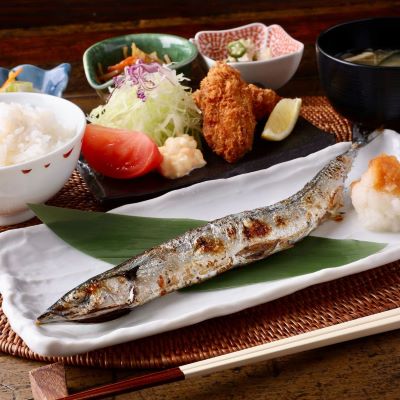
(78, 296)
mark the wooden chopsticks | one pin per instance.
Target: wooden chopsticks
(130, 385)
(373, 324)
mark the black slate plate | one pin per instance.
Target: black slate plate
(304, 140)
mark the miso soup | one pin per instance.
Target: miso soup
(381, 58)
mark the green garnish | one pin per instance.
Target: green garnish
(236, 49)
(20, 86)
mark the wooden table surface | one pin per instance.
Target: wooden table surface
(47, 33)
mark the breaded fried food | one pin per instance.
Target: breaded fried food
(228, 117)
(230, 110)
(264, 101)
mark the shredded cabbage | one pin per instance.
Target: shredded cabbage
(150, 98)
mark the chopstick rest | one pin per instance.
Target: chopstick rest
(48, 382)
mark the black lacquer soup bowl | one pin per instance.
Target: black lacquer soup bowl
(367, 95)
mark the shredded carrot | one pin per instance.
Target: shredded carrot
(107, 76)
(137, 54)
(11, 78)
(124, 63)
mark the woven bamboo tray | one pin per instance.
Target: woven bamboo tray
(312, 308)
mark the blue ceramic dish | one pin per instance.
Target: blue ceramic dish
(53, 81)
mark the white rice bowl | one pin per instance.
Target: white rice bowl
(40, 143)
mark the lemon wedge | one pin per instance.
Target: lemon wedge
(282, 119)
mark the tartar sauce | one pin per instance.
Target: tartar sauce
(180, 156)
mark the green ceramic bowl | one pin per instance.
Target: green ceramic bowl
(109, 52)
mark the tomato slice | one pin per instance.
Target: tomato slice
(119, 153)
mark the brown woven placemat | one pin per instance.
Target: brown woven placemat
(312, 308)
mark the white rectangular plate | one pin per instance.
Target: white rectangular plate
(36, 267)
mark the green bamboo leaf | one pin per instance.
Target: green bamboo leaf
(110, 237)
(115, 238)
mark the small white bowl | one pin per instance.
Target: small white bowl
(273, 73)
(38, 180)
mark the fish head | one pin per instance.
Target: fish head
(101, 298)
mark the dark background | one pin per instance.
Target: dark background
(47, 33)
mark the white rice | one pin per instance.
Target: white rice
(28, 132)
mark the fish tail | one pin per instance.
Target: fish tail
(362, 136)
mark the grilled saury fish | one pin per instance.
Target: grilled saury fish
(204, 252)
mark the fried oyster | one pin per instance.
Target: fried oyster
(230, 110)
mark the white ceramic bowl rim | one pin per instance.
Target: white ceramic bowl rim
(14, 97)
(257, 62)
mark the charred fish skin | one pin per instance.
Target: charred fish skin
(204, 252)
